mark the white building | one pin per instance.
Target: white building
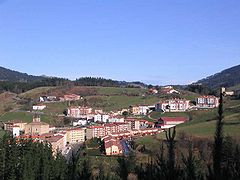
(80, 122)
(97, 118)
(143, 109)
(173, 105)
(105, 118)
(16, 131)
(39, 107)
(101, 118)
(207, 102)
(115, 119)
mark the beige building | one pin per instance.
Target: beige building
(76, 135)
(37, 127)
(8, 126)
(112, 146)
(57, 142)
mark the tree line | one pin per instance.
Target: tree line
(20, 87)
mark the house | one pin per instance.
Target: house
(98, 111)
(173, 105)
(153, 91)
(39, 107)
(139, 110)
(227, 93)
(137, 124)
(47, 98)
(169, 122)
(207, 102)
(15, 127)
(70, 97)
(73, 112)
(81, 122)
(37, 127)
(42, 98)
(9, 125)
(105, 118)
(56, 141)
(85, 110)
(169, 90)
(112, 146)
(100, 117)
(113, 119)
(77, 112)
(95, 131)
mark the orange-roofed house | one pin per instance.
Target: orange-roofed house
(113, 147)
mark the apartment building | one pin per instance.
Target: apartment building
(207, 102)
(173, 105)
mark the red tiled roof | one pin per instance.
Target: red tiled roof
(112, 143)
(207, 97)
(93, 127)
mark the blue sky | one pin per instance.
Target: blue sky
(154, 41)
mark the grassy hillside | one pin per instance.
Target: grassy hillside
(7, 102)
(202, 123)
(35, 93)
(107, 98)
(27, 117)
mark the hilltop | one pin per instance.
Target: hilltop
(226, 78)
(11, 75)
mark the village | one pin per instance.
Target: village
(114, 128)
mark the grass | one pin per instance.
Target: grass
(150, 142)
(35, 93)
(56, 107)
(109, 103)
(157, 115)
(119, 91)
(26, 117)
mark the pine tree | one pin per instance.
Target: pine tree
(191, 165)
(11, 160)
(218, 142)
(123, 169)
(59, 167)
(171, 154)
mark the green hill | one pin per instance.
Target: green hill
(226, 78)
(10, 75)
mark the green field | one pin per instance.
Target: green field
(119, 91)
(35, 93)
(109, 103)
(26, 117)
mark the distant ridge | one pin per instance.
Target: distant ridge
(18, 82)
(15, 76)
(226, 78)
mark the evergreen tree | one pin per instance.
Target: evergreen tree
(218, 142)
(123, 169)
(191, 165)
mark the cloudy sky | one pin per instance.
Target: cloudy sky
(154, 41)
